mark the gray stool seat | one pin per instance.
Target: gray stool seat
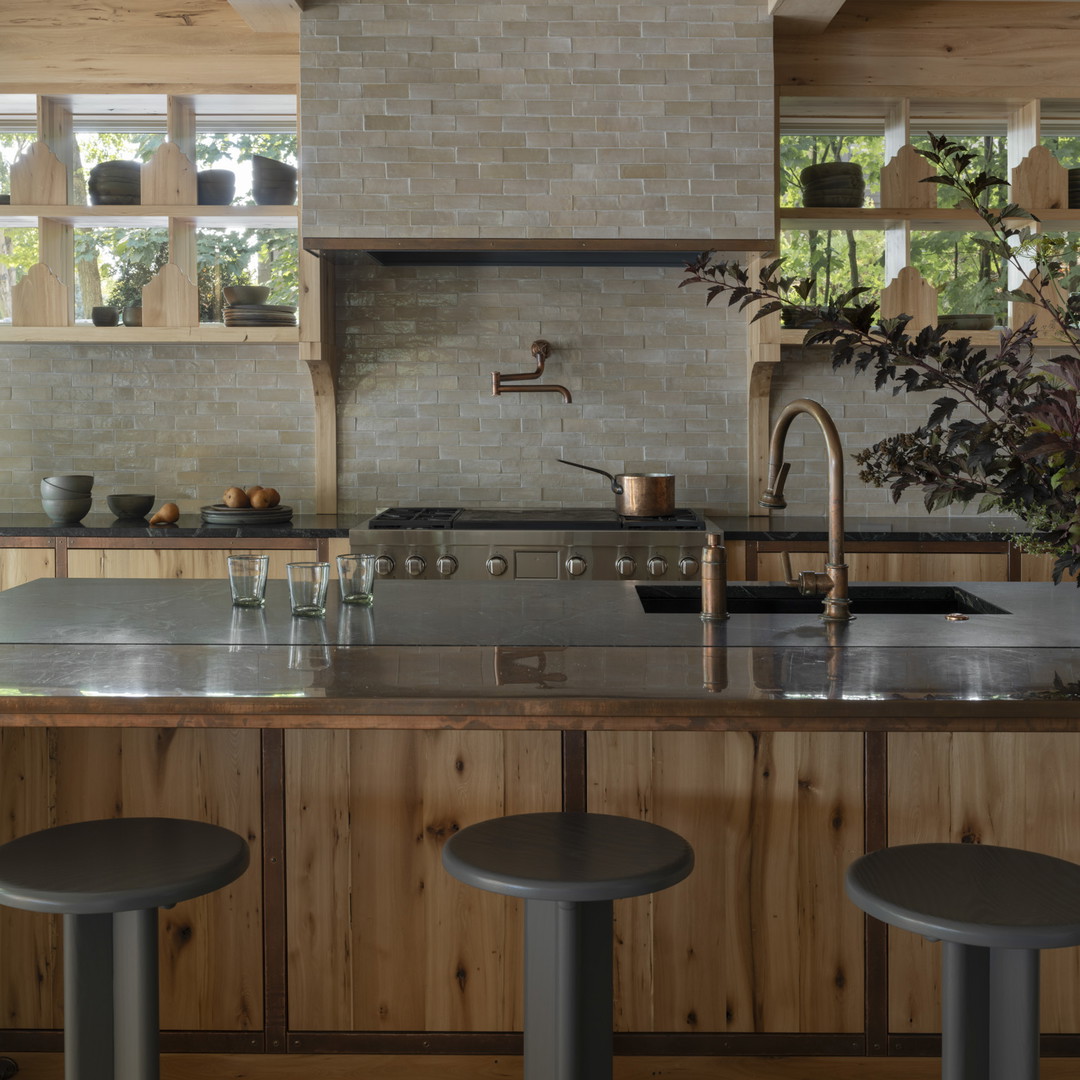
(108, 878)
(993, 909)
(568, 867)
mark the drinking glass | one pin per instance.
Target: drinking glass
(307, 587)
(356, 575)
(247, 579)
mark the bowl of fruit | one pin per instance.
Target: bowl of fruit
(248, 505)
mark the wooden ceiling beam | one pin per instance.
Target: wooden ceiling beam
(804, 16)
(270, 16)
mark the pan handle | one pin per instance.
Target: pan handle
(615, 485)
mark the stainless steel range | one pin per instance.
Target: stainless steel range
(433, 543)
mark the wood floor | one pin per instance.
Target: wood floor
(431, 1067)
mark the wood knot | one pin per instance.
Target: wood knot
(441, 831)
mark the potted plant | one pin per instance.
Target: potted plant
(1004, 430)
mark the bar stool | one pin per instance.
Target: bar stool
(108, 878)
(993, 909)
(568, 867)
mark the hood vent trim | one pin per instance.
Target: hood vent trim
(529, 252)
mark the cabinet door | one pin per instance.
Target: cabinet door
(1017, 789)
(759, 938)
(173, 562)
(895, 565)
(380, 937)
(338, 545)
(1041, 568)
(22, 564)
(210, 948)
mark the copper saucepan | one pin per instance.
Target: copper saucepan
(638, 494)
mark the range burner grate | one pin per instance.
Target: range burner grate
(565, 518)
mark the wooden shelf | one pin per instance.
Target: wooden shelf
(84, 334)
(978, 337)
(873, 217)
(133, 217)
(944, 219)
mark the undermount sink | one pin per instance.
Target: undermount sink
(786, 600)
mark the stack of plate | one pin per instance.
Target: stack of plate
(115, 183)
(273, 183)
(833, 183)
(260, 315)
(1074, 189)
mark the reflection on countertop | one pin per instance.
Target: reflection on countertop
(523, 654)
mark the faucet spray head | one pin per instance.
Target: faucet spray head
(773, 496)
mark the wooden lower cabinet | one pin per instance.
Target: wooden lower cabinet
(19, 565)
(359, 935)
(117, 562)
(211, 947)
(759, 938)
(1017, 789)
(380, 937)
(866, 562)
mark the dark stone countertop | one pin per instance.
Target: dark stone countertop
(317, 526)
(190, 526)
(109, 652)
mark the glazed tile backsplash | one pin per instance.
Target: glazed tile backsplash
(657, 378)
(181, 422)
(658, 381)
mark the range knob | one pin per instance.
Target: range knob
(576, 566)
(384, 565)
(446, 565)
(496, 565)
(625, 566)
(688, 566)
(415, 565)
(657, 566)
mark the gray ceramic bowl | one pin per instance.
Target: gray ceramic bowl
(246, 294)
(68, 484)
(67, 511)
(216, 187)
(130, 506)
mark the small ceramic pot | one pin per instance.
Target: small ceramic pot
(65, 484)
(104, 316)
(246, 294)
(67, 511)
(273, 183)
(130, 506)
(216, 187)
(133, 315)
(115, 183)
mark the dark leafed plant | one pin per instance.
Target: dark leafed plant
(1004, 429)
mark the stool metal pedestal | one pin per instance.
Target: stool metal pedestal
(108, 878)
(993, 909)
(568, 867)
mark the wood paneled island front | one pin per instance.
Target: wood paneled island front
(348, 749)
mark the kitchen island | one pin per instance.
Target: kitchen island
(348, 748)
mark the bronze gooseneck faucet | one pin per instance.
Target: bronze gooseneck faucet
(541, 350)
(833, 584)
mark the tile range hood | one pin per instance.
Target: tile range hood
(532, 134)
